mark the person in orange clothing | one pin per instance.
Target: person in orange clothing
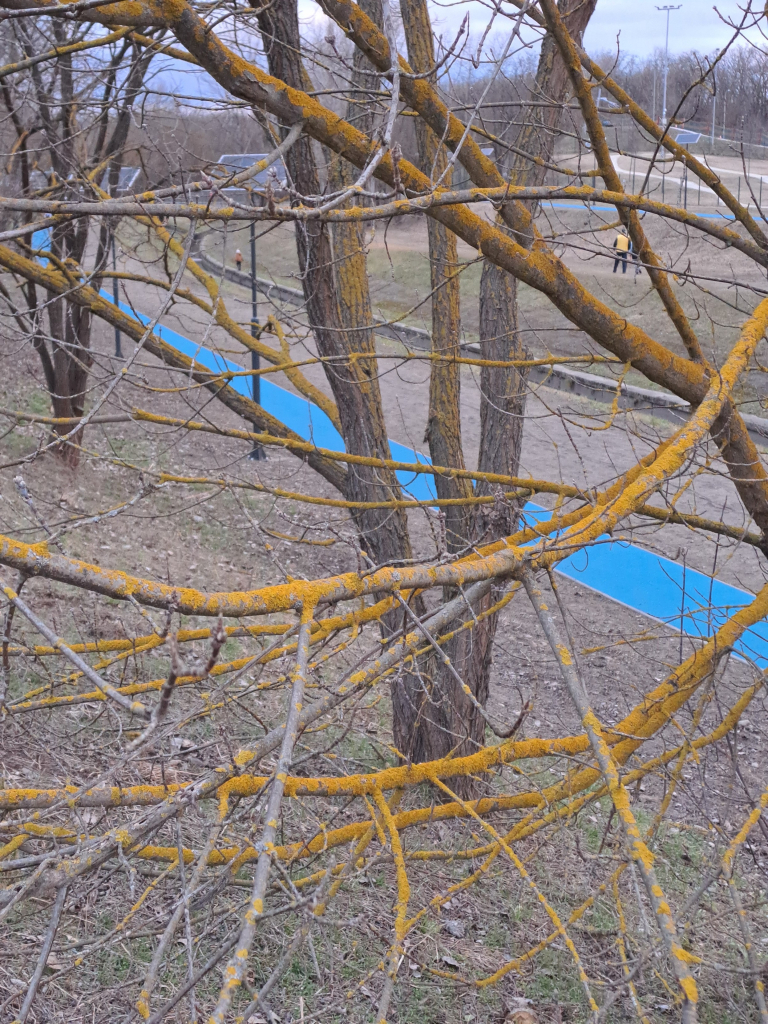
(621, 248)
(238, 260)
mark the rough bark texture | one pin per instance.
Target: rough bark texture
(335, 284)
(538, 135)
(66, 355)
(69, 325)
(503, 390)
(443, 720)
(502, 396)
(434, 718)
(444, 420)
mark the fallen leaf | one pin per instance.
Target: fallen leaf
(455, 928)
(447, 959)
(161, 774)
(520, 1012)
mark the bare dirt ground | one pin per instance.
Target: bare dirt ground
(568, 439)
(222, 538)
(706, 281)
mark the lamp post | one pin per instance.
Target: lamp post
(654, 95)
(234, 162)
(116, 299)
(257, 452)
(714, 105)
(667, 8)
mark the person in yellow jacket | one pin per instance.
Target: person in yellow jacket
(621, 248)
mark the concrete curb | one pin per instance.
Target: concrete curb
(412, 336)
(561, 378)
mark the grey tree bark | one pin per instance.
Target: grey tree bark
(336, 293)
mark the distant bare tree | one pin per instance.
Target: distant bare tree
(71, 113)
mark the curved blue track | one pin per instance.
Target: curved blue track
(683, 599)
(612, 209)
(294, 411)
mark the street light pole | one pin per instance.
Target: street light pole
(667, 8)
(116, 298)
(714, 105)
(257, 452)
(654, 94)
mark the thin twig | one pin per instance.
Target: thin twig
(45, 952)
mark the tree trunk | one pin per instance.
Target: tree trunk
(70, 340)
(337, 297)
(339, 311)
(432, 716)
(444, 420)
(444, 721)
(435, 718)
(551, 87)
(66, 358)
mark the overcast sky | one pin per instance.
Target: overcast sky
(638, 24)
(696, 26)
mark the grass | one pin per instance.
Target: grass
(358, 930)
(399, 276)
(110, 966)
(399, 273)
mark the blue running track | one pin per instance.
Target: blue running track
(685, 600)
(608, 209)
(681, 598)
